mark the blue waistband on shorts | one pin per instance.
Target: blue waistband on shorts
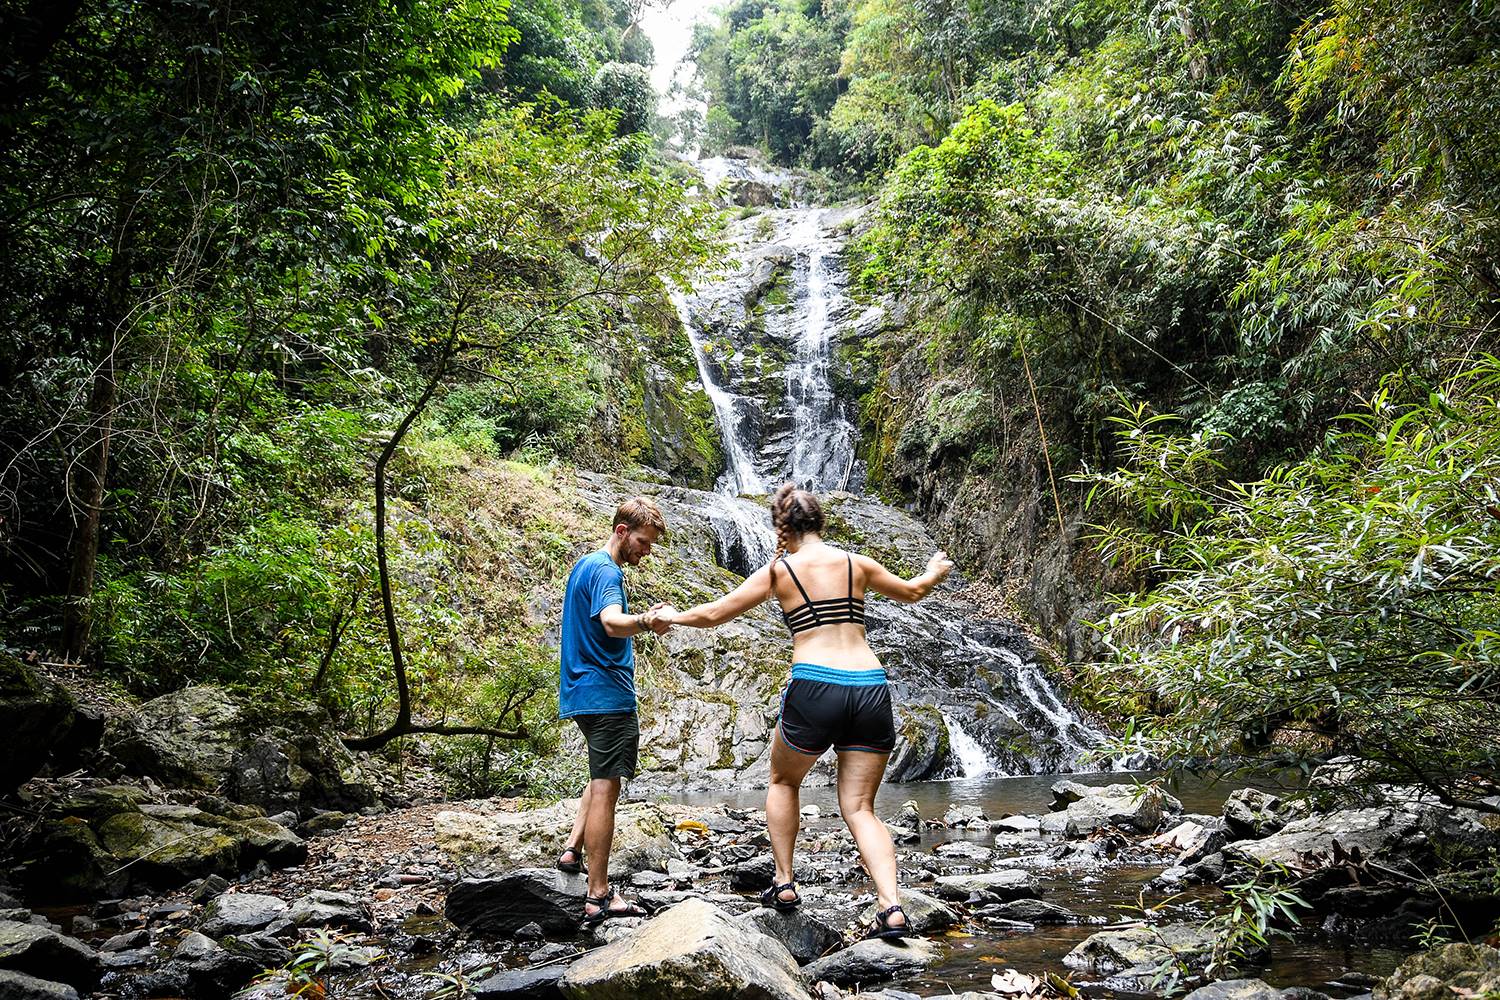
(833, 675)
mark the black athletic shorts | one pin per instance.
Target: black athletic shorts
(614, 740)
(844, 709)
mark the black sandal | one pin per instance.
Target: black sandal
(574, 867)
(772, 897)
(881, 926)
(605, 913)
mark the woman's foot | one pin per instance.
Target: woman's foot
(889, 923)
(611, 905)
(783, 897)
(571, 861)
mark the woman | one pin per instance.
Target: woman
(837, 696)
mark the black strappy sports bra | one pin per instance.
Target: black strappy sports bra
(833, 611)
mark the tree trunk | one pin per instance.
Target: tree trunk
(93, 467)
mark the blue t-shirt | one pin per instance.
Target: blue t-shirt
(598, 670)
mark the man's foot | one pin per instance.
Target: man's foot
(783, 897)
(597, 909)
(571, 861)
(889, 923)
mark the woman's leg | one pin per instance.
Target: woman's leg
(859, 778)
(788, 768)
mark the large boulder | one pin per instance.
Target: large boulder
(208, 970)
(805, 935)
(41, 952)
(285, 756)
(488, 845)
(1388, 836)
(1443, 973)
(1137, 808)
(35, 715)
(241, 913)
(1138, 956)
(693, 950)
(501, 906)
(874, 960)
(1250, 813)
(168, 845)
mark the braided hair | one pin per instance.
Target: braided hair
(794, 512)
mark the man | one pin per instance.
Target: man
(596, 689)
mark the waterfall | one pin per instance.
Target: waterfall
(822, 452)
(739, 474)
(973, 762)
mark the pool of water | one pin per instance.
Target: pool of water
(1105, 893)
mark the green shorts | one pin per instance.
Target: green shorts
(614, 740)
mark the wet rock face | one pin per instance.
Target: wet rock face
(1140, 809)
(693, 950)
(874, 961)
(36, 716)
(20, 986)
(46, 954)
(204, 737)
(805, 935)
(1136, 955)
(1390, 836)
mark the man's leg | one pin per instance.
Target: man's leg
(599, 831)
(575, 839)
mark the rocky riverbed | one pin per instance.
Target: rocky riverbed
(463, 896)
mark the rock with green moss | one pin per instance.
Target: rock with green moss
(274, 756)
(1469, 970)
(35, 715)
(488, 845)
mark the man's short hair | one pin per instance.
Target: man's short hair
(640, 512)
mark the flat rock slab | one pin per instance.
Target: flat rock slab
(502, 906)
(873, 961)
(322, 908)
(1034, 911)
(522, 984)
(41, 952)
(805, 935)
(240, 913)
(694, 951)
(925, 913)
(1002, 885)
(1386, 835)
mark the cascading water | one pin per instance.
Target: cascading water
(973, 762)
(774, 323)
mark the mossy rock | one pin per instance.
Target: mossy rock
(35, 715)
(67, 862)
(167, 853)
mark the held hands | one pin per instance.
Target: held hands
(939, 566)
(659, 618)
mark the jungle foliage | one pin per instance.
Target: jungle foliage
(242, 243)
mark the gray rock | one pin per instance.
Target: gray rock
(1444, 972)
(501, 906)
(522, 984)
(753, 875)
(209, 970)
(19, 986)
(1135, 956)
(1016, 824)
(126, 941)
(322, 908)
(39, 951)
(1138, 808)
(551, 951)
(964, 850)
(1390, 836)
(207, 888)
(691, 950)
(874, 961)
(805, 935)
(493, 846)
(963, 815)
(240, 913)
(132, 958)
(1034, 911)
(1001, 885)
(1250, 813)
(1236, 989)
(325, 822)
(924, 912)
(1066, 792)
(266, 950)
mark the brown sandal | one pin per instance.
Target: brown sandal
(881, 926)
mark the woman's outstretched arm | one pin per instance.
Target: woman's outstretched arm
(755, 590)
(883, 581)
